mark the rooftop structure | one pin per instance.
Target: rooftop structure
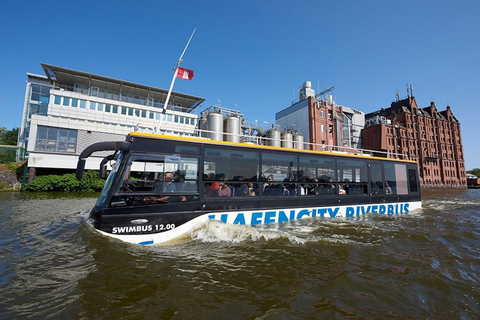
(67, 110)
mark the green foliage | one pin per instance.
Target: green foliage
(476, 172)
(67, 182)
(9, 137)
(2, 185)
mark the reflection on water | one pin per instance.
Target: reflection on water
(421, 265)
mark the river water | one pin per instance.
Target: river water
(422, 265)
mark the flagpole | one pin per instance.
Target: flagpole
(164, 111)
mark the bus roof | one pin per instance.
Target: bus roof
(258, 146)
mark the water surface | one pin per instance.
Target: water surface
(422, 265)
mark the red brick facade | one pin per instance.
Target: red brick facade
(430, 137)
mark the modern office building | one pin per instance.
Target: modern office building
(66, 110)
(426, 135)
(323, 123)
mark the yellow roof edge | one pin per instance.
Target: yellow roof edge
(240, 144)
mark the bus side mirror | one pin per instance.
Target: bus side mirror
(103, 171)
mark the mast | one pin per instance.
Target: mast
(164, 111)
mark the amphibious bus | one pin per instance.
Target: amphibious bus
(162, 187)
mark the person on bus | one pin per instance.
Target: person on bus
(223, 188)
(166, 187)
(212, 188)
(388, 190)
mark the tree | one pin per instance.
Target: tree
(9, 137)
(476, 172)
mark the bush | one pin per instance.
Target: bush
(67, 182)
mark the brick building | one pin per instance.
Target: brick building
(325, 124)
(426, 135)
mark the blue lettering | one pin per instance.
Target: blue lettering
(406, 207)
(390, 209)
(302, 213)
(322, 212)
(314, 213)
(292, 214)
(270, 216)
(240, 219)
(256, 218)
(333, 212)
(223, 218)
(211, 217)
(374, 209)
(350, 212)
(282, 217)
(382, 209)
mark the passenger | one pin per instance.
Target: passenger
(224, 189)
(166, 187)
(341, 190)
(251, 192)
(346, 186)
(270, 179)
(388, 190)
(213, 187)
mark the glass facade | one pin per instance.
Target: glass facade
(56, 140)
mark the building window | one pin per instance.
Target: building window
(322, 114)
(58, 100)
(56, 140)
(83, 104)
(323, 128)
(100, 106)
(66, 101)
(93, 105)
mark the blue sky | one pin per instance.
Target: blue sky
(254, 55)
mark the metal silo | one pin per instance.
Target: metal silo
(273, 138)
(232, 129)
(202, 126)
(298, 141)
(287, 139)
(215, 126)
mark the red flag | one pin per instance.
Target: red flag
(185, 73)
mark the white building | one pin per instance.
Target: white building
(67, 110)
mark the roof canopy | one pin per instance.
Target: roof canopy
(67, 78)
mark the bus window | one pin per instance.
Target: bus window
(352, 176)
(145, 172)
(412, 180)
(376, 180)
(317, 171)
(231, 167)
(280, 175)
(396, 177)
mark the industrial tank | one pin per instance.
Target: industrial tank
(273, 137)
(232, 129)
(287, 139)
(215, 126)
(202, 126)
(298, 141)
